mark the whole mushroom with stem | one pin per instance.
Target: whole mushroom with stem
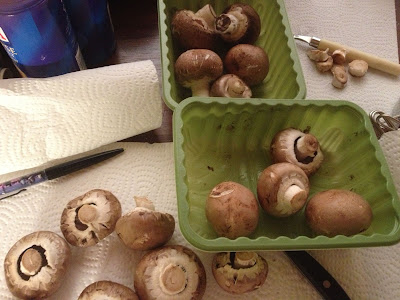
(170, 273)
(299, 148)
(282, 189)
(35, 266)
(107, 290)
(231, 86)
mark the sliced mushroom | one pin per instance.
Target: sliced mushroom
(299, 148)
(107, 290)
(239, 24)
(239, 272)
(318, 55)
(358, 67)
(282, 189)
(249, 62)
(339, 73)
(170, 273)
(196, 69)
(231, 86)
(339, 56)
(195, 30)
(143, 228)
(36, 265)
(232, 210)
(89, 218)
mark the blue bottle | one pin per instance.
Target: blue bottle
(38, 37)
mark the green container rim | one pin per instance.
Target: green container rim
(282, 242)
(166, 74)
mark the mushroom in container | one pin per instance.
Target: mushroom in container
(107, 290)
(170, 273)
(89, 218)
(35, 266)
(232, 210)
(282, 189)
(143, 228)
(239, 272)
(299, 148)
(231, 86)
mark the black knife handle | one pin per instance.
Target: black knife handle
(320, 278)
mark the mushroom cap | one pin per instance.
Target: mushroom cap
(107, 290)
(283, 150)
(239, 279)
(249, 62)
(40, 273)
(145, 229)
(282, 189)
(335, 212)
(232, 209)
(230, 85)
(170, 273)
(90, 218)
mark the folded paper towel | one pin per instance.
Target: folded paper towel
(46, 119)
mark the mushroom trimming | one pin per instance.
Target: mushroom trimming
(358, 67)
(196, 69)
(35, 266)
(239, 272)
(339, 73)
(231, 86)
(89, 218)
(170, 273)
(107, 290)
(299, 148)
(143, 228)
(232, 210)
(282, 189)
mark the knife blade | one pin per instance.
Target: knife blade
(373, 61)
(319, 277)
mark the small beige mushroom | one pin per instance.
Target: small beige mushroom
(239, 272)
(282, 189)
(89, 218)
(107, 290)
(318, 55)
(339, 73)
(324, 66)
(339, 56)
(35, 266)
(170, 273)
(143, 228)
(231, 86)
(358, 67)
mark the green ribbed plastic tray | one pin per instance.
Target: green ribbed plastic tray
(285, 78)
(217, 140)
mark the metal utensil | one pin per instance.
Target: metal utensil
(383, 123)
(373, 61)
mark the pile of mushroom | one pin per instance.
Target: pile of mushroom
(201, 33)
(107, 290)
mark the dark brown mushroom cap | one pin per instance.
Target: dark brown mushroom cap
(107, 290)
(170, 272)
(90, 218)
(230, 85)
(35, 266)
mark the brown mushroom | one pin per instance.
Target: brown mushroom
(196, 69)
(143, 228)
(107, 290)
(231, 86)
(335, 212)
(232, 210)
(282, 189)
(89, 218)
(239, 24)
(299, 148)
(35, 266)
(239, 272)
(249, 62)
(195, 30)
(170, 272)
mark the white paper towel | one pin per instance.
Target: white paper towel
(46, 119)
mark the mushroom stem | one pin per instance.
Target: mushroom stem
(244, 260)
(31, 262)
(231, 25)
(207, 13)
(87, 213)
(173, 279)
(201, 88)
(295, 195)
(306, 146)
(236, 88)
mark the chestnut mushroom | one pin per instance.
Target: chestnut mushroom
(143, 228)
(195, 30)
(249, 62)
(35, 266)
(170, 273)
(107, 290)
(232, 210)
(89, 218)
(238, 24)
(282, 189)
(239, 272)
(231, 86)
(196, 69)
(299, 148)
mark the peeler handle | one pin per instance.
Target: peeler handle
(373, 61)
